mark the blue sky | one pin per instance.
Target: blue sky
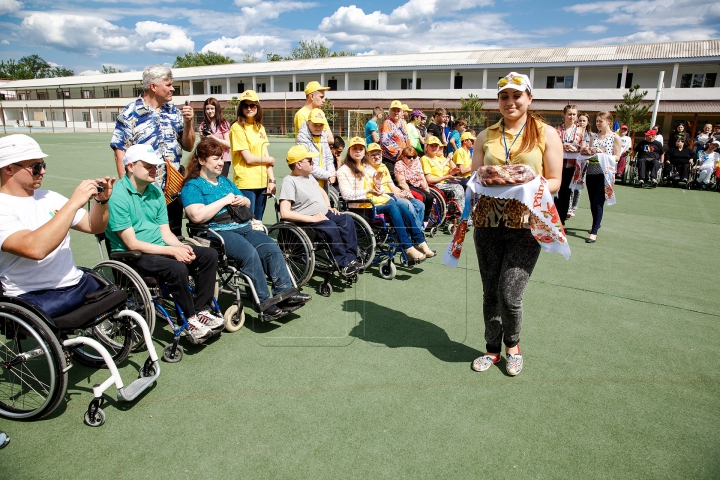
(131, 34)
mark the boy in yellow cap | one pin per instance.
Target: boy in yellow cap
(311, 137)
(462, 157)
(303, 201)
(314, 98)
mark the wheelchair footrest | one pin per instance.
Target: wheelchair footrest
(130, 392)
(278, 298)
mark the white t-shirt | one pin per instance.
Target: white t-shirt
(21, 275)
(626, 143)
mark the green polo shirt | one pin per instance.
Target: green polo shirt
(144, 213)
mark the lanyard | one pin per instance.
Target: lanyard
(507, 150)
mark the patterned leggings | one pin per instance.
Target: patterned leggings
(455, 191)
(506, 257)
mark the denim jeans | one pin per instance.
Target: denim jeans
(403, 223)
(416, 207)
(257, 254)
(257, 201)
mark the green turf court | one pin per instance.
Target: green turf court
(621, 376)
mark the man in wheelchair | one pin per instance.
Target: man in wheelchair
(302, 200)
(138, 221)
(36, 262)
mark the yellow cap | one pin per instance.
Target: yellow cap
(467, 136)
(299, 152)
(317, 116)
(396, 104)
(373, 146)
(356, 141)
(433, 140)
(314, 87)
(249, 96)
(405, 107)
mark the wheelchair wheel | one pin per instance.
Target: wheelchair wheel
(388, 269)
(439, 210)
(139, 297)
(33, 386)
(234, 318)
(296, 248)
(115, 334)
(334, 199)
(365, 238)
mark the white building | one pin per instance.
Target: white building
(593, 77)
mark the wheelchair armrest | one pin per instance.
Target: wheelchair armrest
(200, 227)
(130, 255)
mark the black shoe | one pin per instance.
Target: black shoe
(590, 240)
(297, 299)
(273, 312)
(349, 270)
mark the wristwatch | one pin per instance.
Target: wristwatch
(272, 181)
(101, 202)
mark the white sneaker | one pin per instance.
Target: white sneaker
(196, 329)
(212, 321)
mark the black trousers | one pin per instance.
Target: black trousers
(175, 216)
(596, 193)
(427, 199)
(562, 201)
(642, 164)
(339, 230)
(174, 274)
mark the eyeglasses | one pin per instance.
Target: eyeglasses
(250, 105)
(35, 168)
(411, 157)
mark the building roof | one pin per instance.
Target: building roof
(701, 50)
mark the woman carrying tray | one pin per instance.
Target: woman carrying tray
(506, 248)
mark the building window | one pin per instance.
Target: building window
(560, 82)
(215, 89)
(63, 94)
(113, 93)
(418, 83)
(241, 87)
(371, 85)
(332, 84)
(260, 87)
(86, 116)
(628, 80)
(23, 96)
(457, 84)
(698, 80)
(137, 91)
(99, 116)
(406, 84)
(42, 95)
(86, 94)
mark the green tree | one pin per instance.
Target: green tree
(471, 110)
(631, 113)
(230, 113)
(201, 59)
(329, 111)
(110, 69)
(309, 49)
(250, 58)
(31, 66)
(274, 57)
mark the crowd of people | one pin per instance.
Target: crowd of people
(231, 174)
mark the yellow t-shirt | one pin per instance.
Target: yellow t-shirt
(255, 140)
(461, 157)
(494, 148)
(433, 166)
(369, 180)
(302, 116)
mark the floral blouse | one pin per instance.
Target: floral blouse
(413, 173)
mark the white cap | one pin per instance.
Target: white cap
(515, 81)
(146, 153)
(18, 147)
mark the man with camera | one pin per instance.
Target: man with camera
(153, 120)
(36, 262)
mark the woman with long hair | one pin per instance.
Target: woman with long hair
(605, 141)
(215, 127)
(583, 120)
(206, 195)
(506, 249)
(410, 178)
(571, 137)
(356, 180)
(252, 166)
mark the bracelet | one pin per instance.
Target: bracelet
(272, 181)
(103, 202)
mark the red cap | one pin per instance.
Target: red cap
(650, 133)
(624, 127)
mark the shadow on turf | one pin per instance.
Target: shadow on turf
(393, 328)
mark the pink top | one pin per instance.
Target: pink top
(222, 134)
(413, 173)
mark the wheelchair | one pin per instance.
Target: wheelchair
(36, 353)
(386, 243)
(445, 213)
(234, 282)
(632, 176)
(307, 251)
(147, 294)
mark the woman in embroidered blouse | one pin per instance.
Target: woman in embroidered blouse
(410, 177)
(205, 196)
(506, 249)
(217, 128)
(583, 120)
(356, 182)
(571, 136)
(605, 141)
(252, 166)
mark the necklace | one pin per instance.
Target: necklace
(507, 150)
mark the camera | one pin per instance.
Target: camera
(206, 131)
(100, 188)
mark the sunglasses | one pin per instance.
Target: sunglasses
(411, 157)
(250, 105)
(35, 168)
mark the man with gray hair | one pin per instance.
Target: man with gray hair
(153, 120)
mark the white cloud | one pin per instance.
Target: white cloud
(171, 39)
(9, 6)
(90, 72)
(680, 35)
(260, 11)
(595, 29)
(4, 42)
(658, 13)
(353, 20)
(257, 45)
(74, 32)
